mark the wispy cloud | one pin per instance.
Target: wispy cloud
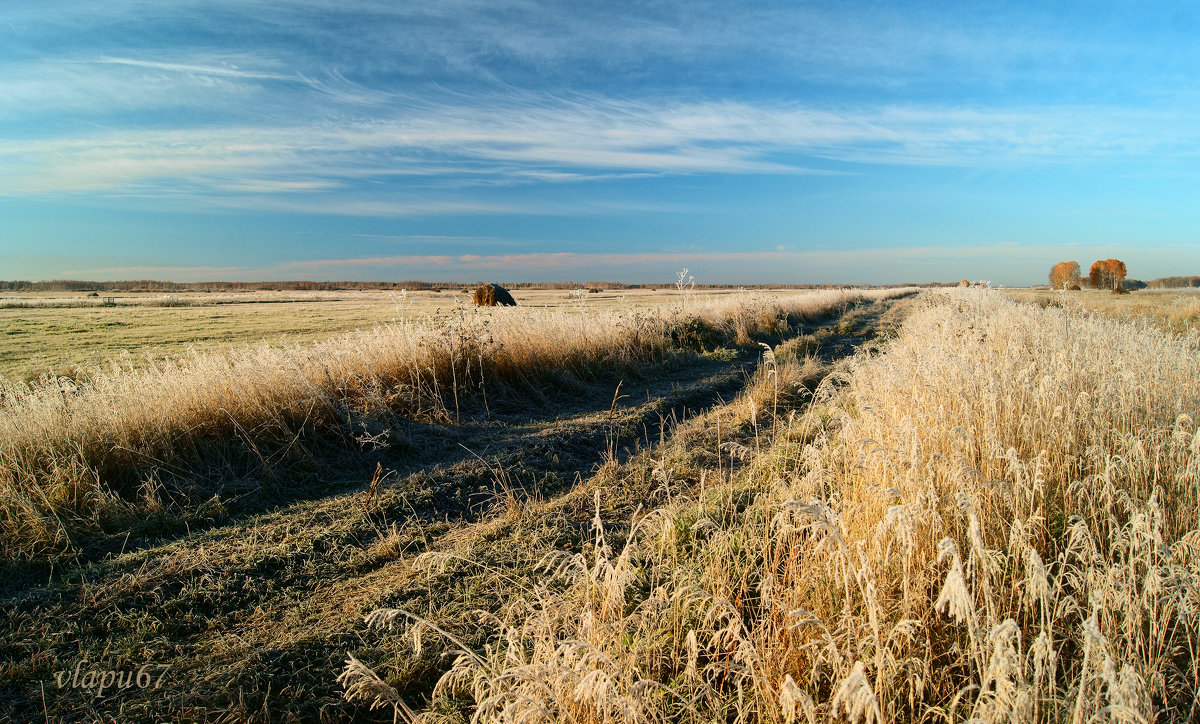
(227, 71)
(319, 97)
(535, 141)
(432, 115)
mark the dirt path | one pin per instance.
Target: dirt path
(253, 618)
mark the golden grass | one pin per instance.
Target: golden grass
(1173, 310)
(995, 519)
(67, 334)
(75, 454)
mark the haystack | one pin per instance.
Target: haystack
(493, 295)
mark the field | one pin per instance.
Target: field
(889, 506)
(60, 333)
(1173, 310)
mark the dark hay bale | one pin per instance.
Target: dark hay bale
(593, 290)
(1120, 290)
(493, 295)
(1075, 288)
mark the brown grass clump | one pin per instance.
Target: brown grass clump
(996, 519)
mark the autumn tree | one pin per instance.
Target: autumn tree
(1064, 275)
(1107, 274)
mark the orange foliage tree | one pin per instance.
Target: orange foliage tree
(1064, 275)
(1107, 274)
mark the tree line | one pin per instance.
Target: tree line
(1104, 274)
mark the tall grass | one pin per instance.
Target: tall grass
(995, 519)
(75, 455)
(1173, 310)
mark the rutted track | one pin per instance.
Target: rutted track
(256, 615)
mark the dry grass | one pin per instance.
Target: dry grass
(76, 455)
(1172, 310)
(996, 519)
(66, 334)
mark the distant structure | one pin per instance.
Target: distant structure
(493, 295)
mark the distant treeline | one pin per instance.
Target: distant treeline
(1174, 282)
(149, 285)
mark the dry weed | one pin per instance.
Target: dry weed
(74, 454)
(995, 519)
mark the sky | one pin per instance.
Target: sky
(757, 142)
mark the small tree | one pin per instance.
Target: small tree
(1107, 274)
(1064, 275)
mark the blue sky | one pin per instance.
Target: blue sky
(486, 139)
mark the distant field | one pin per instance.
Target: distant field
(68, 443)
(44, 332)
(1172, 310)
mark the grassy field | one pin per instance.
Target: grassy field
(81, 454)
(66, 334)
(1173, 310)
(954, 506)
